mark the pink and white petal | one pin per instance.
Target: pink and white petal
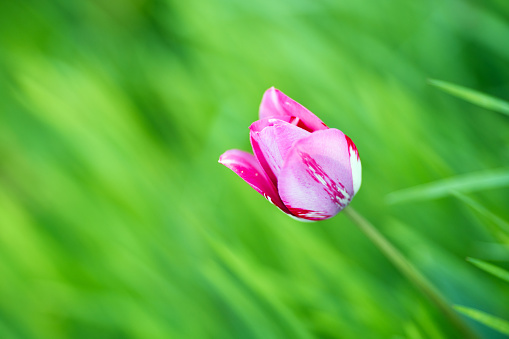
(247, 167)
(272, 144)
(315, 182)
(355, 164)
(276, 104)
(258, 153)
(258, 125)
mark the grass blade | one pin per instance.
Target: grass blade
(490, 268)
(463, 183)
(493, 322)
(408, 270)
(472, 96)
(501, 224)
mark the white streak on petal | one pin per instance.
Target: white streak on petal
(269, 199)
(300, 219)
(355, 163)
(342, 202)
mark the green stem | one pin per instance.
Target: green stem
(409, 271)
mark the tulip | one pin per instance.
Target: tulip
(308, 170)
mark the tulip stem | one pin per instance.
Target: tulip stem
(409, 271)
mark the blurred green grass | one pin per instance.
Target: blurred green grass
(117, 221)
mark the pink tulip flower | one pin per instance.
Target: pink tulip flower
(308, 170)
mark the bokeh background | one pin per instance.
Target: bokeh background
(116, 221)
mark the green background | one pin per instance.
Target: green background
(116, 221)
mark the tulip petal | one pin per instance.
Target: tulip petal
(258, 126)
(316, 182)
(276, 104)
(272, 143)
(355, 164)
(247, 167)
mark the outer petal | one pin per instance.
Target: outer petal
(355, 163)
(245, 166)
(258, 126)
(276, 104)
(272, 143)
(316, 181)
